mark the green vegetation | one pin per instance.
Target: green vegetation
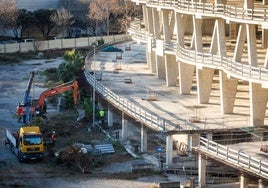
(14, 58)
(72, 65)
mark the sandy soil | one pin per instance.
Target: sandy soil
(13, 81)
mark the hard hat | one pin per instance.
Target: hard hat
(53, 132)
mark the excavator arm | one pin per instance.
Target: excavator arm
(57, 90)
(39, 108)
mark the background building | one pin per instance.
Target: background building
(37, 4)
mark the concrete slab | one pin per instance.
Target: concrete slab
(178, 110)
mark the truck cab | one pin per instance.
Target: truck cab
(30, 143)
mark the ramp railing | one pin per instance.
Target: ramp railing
(234, 158)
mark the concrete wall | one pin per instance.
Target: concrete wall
(55, 44)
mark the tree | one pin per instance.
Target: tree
(79, 10)
(64, 19)
(114, 11)
(8, 14)
(72, 65)
(24, 23)
(43, 21)
(99, 11)
(129, 11)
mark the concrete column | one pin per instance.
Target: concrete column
(143, 138)
(260, 184)
(266, 60)
(258, 102)
(159, 61)
(156, 23)
(204, 82)
(145, 18)
(218, 38)
(210, 136)
(232, 30)
(180, 20)
(186, 72)
(171, 70)
(160, 67)
(197, 35)
(248, 4)
(110, 116)
(220, 2)
(264, 37)
(240, 43)
(169, 149)
(149, 19)
(171, 67)
(172, 23)
(166, 28)
(152, 58)
(201, 171)
(251, 43)
(246, 32)
(124, 127)
(243, 181)
(228, 89)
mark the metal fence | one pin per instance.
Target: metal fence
(234, 158)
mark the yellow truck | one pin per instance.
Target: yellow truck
(26, 142)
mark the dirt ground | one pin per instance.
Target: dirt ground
(115, 170)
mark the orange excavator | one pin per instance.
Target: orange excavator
(40, 107)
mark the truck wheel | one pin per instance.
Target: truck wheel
(20, 157)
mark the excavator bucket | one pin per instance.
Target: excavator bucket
(81, 114)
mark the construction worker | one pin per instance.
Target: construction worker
(101, 115)
(53, 138)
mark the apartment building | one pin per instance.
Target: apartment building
(37, 4)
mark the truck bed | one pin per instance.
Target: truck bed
(10, 136)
